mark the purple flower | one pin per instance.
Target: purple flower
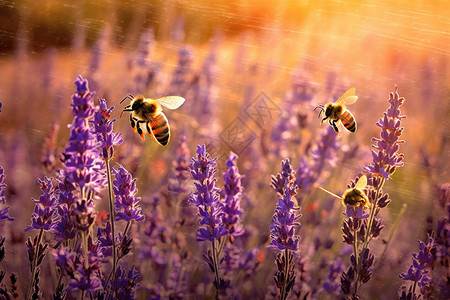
(233, 193)
(284, 219)
(181, 74)
(64, 259)
(85, 276)
(180, 173)
(83, 214)
(355, 212)
(206, 196)
(332, 283)
(44, 213)
(422, 263)
(127, 204)
(3, 212)
(64, 228)
(125, 283)
(85, 282)
(324, 153)
(103, 126)
(386, 157)
(84, 167)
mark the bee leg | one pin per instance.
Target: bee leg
(126, 108)
(133, 123)
(333, 124)
(139, 129)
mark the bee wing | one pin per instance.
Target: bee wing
(348, 97)
(171, 102)
(362, 182)
(332, 194)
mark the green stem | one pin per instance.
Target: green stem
(286, 272)
(34, 263)
(84, 240)
(355, 251)
(366, 241)
(215, 258)
(112, 216)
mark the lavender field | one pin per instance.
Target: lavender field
(233, 207)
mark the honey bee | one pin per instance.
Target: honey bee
(336, 111)
(354, 196)
(148, 112)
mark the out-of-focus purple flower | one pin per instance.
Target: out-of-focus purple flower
(44, 213)
(64, 258)
(127, 204)
(83, 214)
(422, 263)
(323, 154)
(285, 219)
(83, 166)
(125, 283)
(249, 261)
(48, 159)
(3, 212)
(206, 196)
(386, 157)
(103, 127)
(233, 193)
(332, 283)
(156, 233)
(85, 277)
(84, 282)
(182, 74)
(180, 173)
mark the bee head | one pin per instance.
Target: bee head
(137, 103)
(328, 109)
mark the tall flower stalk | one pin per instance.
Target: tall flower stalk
(386, 159)
(210, 209)
(43, 219)
(282, 230)
(103, 127)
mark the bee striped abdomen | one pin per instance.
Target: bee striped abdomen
(160, 129)
(348, 121)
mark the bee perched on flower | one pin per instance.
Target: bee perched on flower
(354, 196)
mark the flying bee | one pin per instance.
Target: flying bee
(354, 196)
(336, 111)
(148, 112)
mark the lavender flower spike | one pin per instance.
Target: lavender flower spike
(3, 212)
(420, 270)
(103, 126)
(127, 204)
(206, 197)
(44, 213)
(385, 154)
(84, 167)
(284, 218)
(233, 194)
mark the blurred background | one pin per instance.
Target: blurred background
(220, 56)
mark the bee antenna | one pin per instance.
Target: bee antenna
(321, 107)
(129, 96)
